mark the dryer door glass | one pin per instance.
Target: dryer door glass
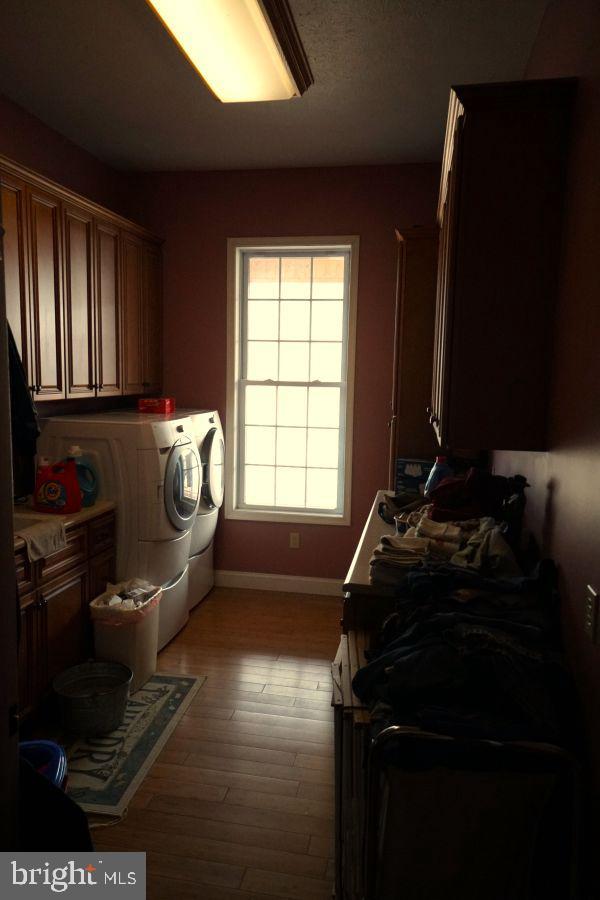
(213, 468)
(182, 484)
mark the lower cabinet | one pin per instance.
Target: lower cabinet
(56, 629)
(28, 652)
(63, 606)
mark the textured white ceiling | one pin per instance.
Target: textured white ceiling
(105, 74)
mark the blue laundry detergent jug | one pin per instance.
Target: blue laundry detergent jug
(87, 475)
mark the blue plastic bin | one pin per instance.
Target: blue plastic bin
(47, 758)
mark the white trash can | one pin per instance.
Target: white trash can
(126, 634)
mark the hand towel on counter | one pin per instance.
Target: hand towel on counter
(43, 538)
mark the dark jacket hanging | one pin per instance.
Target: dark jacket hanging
(24, 423)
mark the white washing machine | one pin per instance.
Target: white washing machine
(208, 434)
(150, 466)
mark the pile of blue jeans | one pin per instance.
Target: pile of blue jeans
(472, 657)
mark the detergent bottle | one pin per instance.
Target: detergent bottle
(56, 487)
(440, 470)
(87, 475)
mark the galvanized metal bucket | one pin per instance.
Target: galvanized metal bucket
(93, 697)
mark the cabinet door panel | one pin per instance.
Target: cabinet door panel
(46, 305)
(28, 655)
(108, 331)
(16, 271)
(102, 571)
(132, 316)
(79, 303)
(152, 319)
(64, 603)
(101, 533)
(445, 292)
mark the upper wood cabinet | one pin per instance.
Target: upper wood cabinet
(83, 292)
(92, 305)
(16, 264)
(108, 311)
(410, 433)
(46, 324)
(142, 333)
(499, 213)
(79, 302)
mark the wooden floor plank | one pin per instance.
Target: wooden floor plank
(190, 726)
(206, 732)
(161, 888)
(293, 805)
(176, 822)
(261, 705)
(264, 770)
(228, 778)
(295, 822)
(294, 887)
(258, 754)
(232, 856)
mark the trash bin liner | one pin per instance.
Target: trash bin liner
(125, 633)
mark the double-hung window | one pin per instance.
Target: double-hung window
(291, 325)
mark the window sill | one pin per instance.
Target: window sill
(283, 516)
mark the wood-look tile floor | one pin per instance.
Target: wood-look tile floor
(239, 803)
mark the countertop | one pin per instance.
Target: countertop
(84, 515)
(357, 579)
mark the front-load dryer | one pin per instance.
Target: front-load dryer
(208, 434)
(150, 466)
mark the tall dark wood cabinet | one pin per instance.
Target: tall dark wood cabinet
(500, 216)
(410, 433)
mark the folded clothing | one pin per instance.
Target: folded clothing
(44, 538)
(439, 531)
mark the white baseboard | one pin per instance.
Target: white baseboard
(292, 584)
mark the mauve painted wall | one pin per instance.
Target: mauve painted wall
(26, 140)
(196, 213)
(564, 500)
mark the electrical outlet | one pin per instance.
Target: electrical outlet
(294, 540)
(591, 612)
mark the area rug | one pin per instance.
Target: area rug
(106, 771)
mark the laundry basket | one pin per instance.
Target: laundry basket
(128, 636)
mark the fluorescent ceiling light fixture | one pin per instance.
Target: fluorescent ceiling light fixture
(245, 50)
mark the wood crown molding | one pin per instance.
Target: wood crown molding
(65, 195)
(280, 17)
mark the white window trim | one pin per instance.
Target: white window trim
(234, 248)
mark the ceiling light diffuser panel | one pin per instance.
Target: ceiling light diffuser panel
(245, 50)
